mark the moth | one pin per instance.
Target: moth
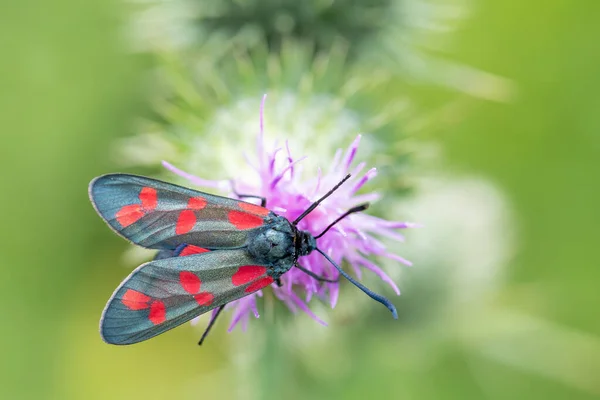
(212, 250)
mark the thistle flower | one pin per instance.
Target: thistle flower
(410, 49)
(277, 176)
(158, 24)
(203, 100)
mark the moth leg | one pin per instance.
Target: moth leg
(210, 324)
(278, 282)
(317, 277)
(263, 201)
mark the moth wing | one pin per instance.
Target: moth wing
(163, 294)
(161, 215)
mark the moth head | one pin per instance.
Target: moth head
(306, 243)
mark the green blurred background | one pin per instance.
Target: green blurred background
(72, 83)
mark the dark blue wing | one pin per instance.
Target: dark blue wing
(160, 215)
(163, 294)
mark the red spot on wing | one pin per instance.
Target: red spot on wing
(158, 312)
(191, 249)
(204, 299)
(129, 214)
(190, 282)
(244, 220)
(247, 273)
(135, 300)
(197, 203)
(253, 208)
(148, 198)
(259, 284)
(185, 222)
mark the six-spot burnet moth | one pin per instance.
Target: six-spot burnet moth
(212, 250)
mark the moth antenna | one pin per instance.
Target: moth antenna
(316, 203)
(370, 293)
(353, 210)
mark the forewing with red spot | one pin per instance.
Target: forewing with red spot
(160, 215)
(163, 294)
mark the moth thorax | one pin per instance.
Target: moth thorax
(271, 245)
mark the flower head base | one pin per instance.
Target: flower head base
(278, 178)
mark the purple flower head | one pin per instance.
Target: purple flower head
(277, 176)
